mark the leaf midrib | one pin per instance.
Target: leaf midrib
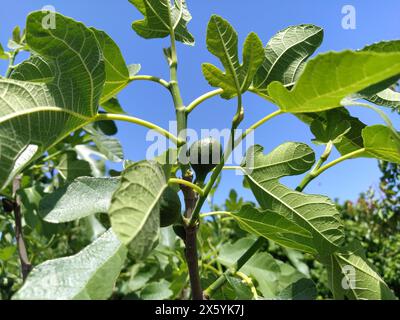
(153, 204)
(283, 53)
(158, 16)
(292, 209)
(44, 109)
(84, 65)
(332, 94)
(231, 66)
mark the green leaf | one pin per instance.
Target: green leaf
(95, 159)
(30, 199)
(169, 161)
(271, 275)
(117, 72)
(262, 266)
(35, 69)
(387, 97)
(70, 167)
(253, 57)
(314, 213)
(7, 253)
(83, 197)
(3, 54)
(222, 41)
(140, 275)
(296, 258)
(286, 54)
(134, 69)
(94, 228)
(156, 291)
(108, 128)
(160, 17)
(350, 141)
(110, 147)
(88, 275)
(331, 77)
(16, 34)
(333, 130)
(135, 207)
(381, 143)
(270, 225)
(351, 275)
(113, 106)
(242, 291)
(303, 289)
(49, 110)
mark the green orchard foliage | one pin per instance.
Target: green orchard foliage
(95, 233)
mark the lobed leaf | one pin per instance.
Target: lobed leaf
(222, 41)
(36, 115)
(160, 17)
(314, 213)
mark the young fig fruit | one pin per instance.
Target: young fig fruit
(204, 155)
(170, 208)
(180, 231)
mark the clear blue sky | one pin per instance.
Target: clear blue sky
(376, 20)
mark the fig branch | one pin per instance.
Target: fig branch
(15, 204)
(217, 171)
(190, 197)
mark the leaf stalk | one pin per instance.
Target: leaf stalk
(141, 122)
(160, 81)
(186, 183)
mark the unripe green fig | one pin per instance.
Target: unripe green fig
(170, 208)
(180, 231)
(204, 155)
